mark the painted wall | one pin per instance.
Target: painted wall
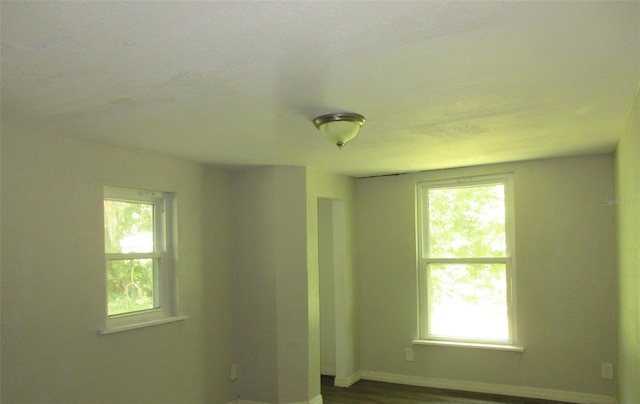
(53, 278)
(271, 284)
(565, 279)
(326, 275)
(627, 205)
(337, 194)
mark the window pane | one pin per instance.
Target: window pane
(467, 222)
(128, 226)
(468, 301)
(130, 285)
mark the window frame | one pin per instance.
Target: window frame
(423, 258)
(165, 294)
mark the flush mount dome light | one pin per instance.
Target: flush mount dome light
(340, 127)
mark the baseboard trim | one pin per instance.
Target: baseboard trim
(478, 387)
(328, 371)
(347, 381)
(316, 400)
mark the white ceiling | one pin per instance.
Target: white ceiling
(441, 83)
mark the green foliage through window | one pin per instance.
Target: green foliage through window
(129, 229)
(130, 285)
(467, 222)
(128, 226)
(465, 259)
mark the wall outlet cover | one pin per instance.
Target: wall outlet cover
(408, 354)
(606, 370)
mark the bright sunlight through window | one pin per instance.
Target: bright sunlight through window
(128, 233)
(466, 260)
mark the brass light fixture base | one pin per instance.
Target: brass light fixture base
(333, 128)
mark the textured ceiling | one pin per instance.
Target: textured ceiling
(442, 84)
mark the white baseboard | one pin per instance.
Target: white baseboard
(316, 400)
(328, 370)
(347, 381)
(477, 387)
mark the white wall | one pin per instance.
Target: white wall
(326, 275)
(270, 253)
(277, 281)
(628, 237)
(565, 279)
(53, 278)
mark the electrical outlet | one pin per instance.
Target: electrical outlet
(408, 354)
(606, 370)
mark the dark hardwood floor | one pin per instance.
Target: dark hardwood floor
(366, 391)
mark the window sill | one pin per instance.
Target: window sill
(477, 345)
(127, 327)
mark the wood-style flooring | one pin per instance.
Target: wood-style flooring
(367, 391)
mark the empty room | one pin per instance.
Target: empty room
(252, 202)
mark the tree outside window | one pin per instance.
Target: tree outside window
(466, 260)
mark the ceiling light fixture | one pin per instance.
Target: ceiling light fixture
(340, 127)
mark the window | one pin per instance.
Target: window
(139, 259)
(466, 260)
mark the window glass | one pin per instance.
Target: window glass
(131, 280)
(468, 301)
(467, 222)
(130, 285)
(128, 226)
